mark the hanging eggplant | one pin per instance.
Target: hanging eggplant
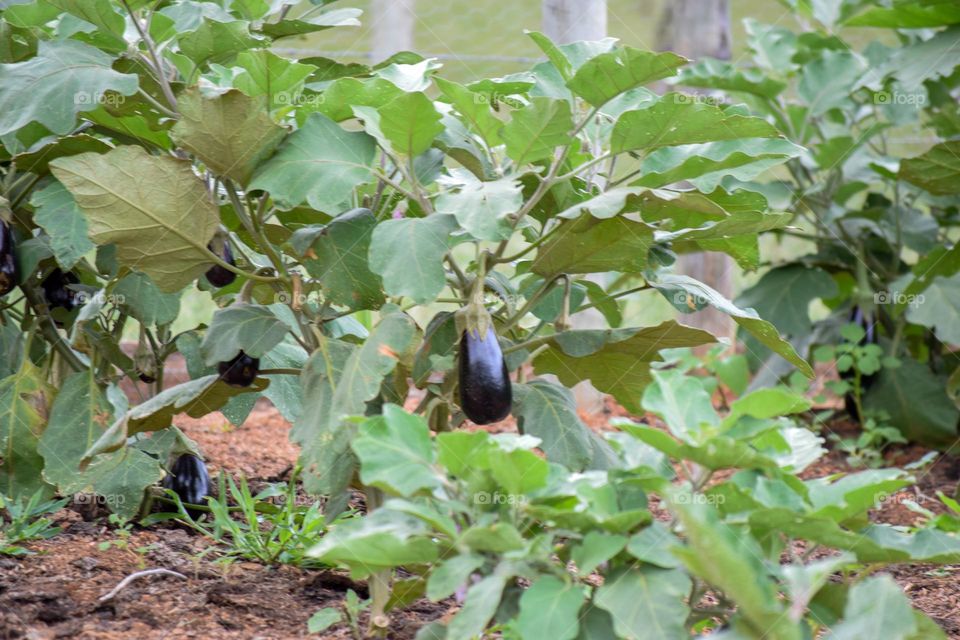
(57, 292)
(485, 392)
(217, 275)
(8, 259)
(188, 478)
(241, 371)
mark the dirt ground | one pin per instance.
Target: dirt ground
(55, 593)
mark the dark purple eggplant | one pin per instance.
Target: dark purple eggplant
(220, 276)
(241, 371)
(8, 260)
(189, 479)
(485, 392)
(57, 292)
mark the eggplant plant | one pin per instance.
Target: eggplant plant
(372, 234)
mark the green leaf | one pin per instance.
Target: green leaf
(320, 22)
(588, 245)
(483, 208)
(153, 208)
(267, 74)
(694, 292)
(474, 109)
(674, 120)
(58, 214)
(251, 328)
(917, 403)
(483, 598)
(596, 548)
(783, 296)
(615, 361)
(557, 57)
(324, 619)
(231, 133)
(215, 41)
(550, 608)
(654, 545)
(937, 170)
(410, 122)
(537, 129)
(606, 76)
(549, 412)
(383, 539)
(338, 380)
(337, 257)
(646, 603)
(876, 607)
(395, 452)
(907, 15)
(915, 64)
(195, 398)
(731, 561)
(408, 255)
(320, 164)
(140, 298)
(710, 73)
(519, 472)
(764, 404)
(451, 575)
(65, 78)
(38, 158)
(24, 398)
(343, 94)
(827, 82)
(683, 403)
(99, 13)
(939, 309)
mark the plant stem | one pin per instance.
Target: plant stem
(49, 329)
(154, 57)
(255, 231)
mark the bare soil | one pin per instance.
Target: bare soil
(55, 592)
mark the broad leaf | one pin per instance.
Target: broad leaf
(153, 208)
(65, 78)
(483, 208)
(231, 134)
(606, 76)
(320, 164)
(549, 412)
(58, 214)
(253, 329)
(917, 403)
(937, 170)
(783, 296)
(410, 123)
(537, 129)
(24, 399)
(646, 603)
(550, 608)
(395, 452)
(408, 255)
(589, 245)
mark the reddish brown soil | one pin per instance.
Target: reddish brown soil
(54, 594)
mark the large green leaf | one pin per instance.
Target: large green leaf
(321, 164)
(474, 110)
(410, 123)
(606, 76)
(937, 170)
(675, 120)
(615, 361)
(916, 14)
(215, 41)
(923, 60)
(876, 607)
(139, 297)
(195, 398)
(99, 13)
(939, 309)
(826, 82)
(646, 603)
(783, 296)
(408, 255)
(153, 208)
(251, 328)
(683, 403)
(396, 453)
(917, 403)
(231, 133)
(337, 254)
(550, 608)
(24, 398)
(549, 412)
(58, 214)
(338, 380)
(344, 94)
(65, 78)
(710, 73)
(589, 245)
(483, 208)
(483, 599)
(725, 558)
(687, 294)
(266, 74)
(346, 17)
(537, 129)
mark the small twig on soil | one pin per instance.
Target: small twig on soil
(139, 574)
